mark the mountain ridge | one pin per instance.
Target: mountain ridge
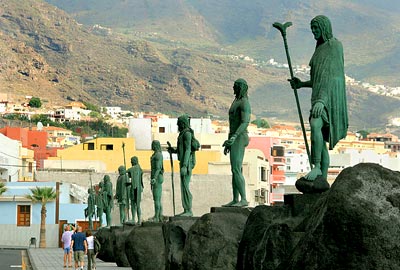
(50, 54)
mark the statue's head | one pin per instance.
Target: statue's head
(134, 160)
(121, 170)
(183, 122)
(90, 190)
(240, 88)
(322, 28)
(106, 178)
(101, 185)
(156, 146)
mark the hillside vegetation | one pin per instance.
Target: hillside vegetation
(176, 56)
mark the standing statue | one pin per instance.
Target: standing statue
(121, 194)
(238, 139)
(187, 161)
(328, 119)
(135, 173)
(157, 178)
(100, 203)
(108, 199)
(90, 210)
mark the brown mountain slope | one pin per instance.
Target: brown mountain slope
(46, 53)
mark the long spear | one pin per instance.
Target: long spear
(172, 177)
(282, 29)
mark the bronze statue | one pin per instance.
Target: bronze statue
(328, 118)
(157, 170)
(100, 203)
(121, 194)
(108, 200)
(90, 210)
(135, 174)
(238, 139)
(187, 162)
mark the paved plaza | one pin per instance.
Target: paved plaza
(52, 258)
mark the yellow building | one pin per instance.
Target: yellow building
(107, 154)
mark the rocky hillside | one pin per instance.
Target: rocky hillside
(46, 52)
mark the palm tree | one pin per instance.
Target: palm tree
(42, 195)
(3, 188)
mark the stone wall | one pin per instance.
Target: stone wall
(208, 190)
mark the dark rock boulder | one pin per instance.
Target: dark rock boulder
(265, 238)
(106, 239)
(212, 242)
(355, 225)
(175, 232)
(121, 235)
(145, 248)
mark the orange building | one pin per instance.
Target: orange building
(32, 139)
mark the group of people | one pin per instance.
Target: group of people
(328, 123)
(79, 244)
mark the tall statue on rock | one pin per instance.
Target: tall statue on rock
(238, 139)
(186, 145)
(108, 198)
(328, 115)
(121, 194)
(100, 203)
(90, 210)
(157, 178)
(135, 173)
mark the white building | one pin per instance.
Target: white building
(114, 112)
(140, 129)
(9, 159)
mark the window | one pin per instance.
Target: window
(263, 174)
(90, 146)
(161, 129)
(205, 146)
(23, 215)
(30, 167)
(107, 147)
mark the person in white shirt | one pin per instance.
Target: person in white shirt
(91, 256)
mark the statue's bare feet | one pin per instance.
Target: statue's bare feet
(242, 203)
(312, 175)
(230, 203)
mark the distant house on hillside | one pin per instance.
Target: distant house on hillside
(71, 112)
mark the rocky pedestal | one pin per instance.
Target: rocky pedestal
(145, 248)
(213, 241)
(353, 225)
(175, 232)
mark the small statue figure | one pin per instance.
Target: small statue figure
(238, 139)
(328, 118)
(187, 161)
(121, 193)
(108, 200)
(135, 174)
(90, 210)
(157, 178)
(100, 203)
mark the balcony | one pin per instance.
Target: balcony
(276, 197)
(278, 178)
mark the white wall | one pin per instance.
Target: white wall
(20, 236)
(9, 159)
(140, 129)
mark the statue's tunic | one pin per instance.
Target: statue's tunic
(328, 87)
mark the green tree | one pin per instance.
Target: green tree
(261, 123)
(91, 106)
(35, 102)
(42, 195)
(3, 188)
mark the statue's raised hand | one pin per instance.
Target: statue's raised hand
(295, 83)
